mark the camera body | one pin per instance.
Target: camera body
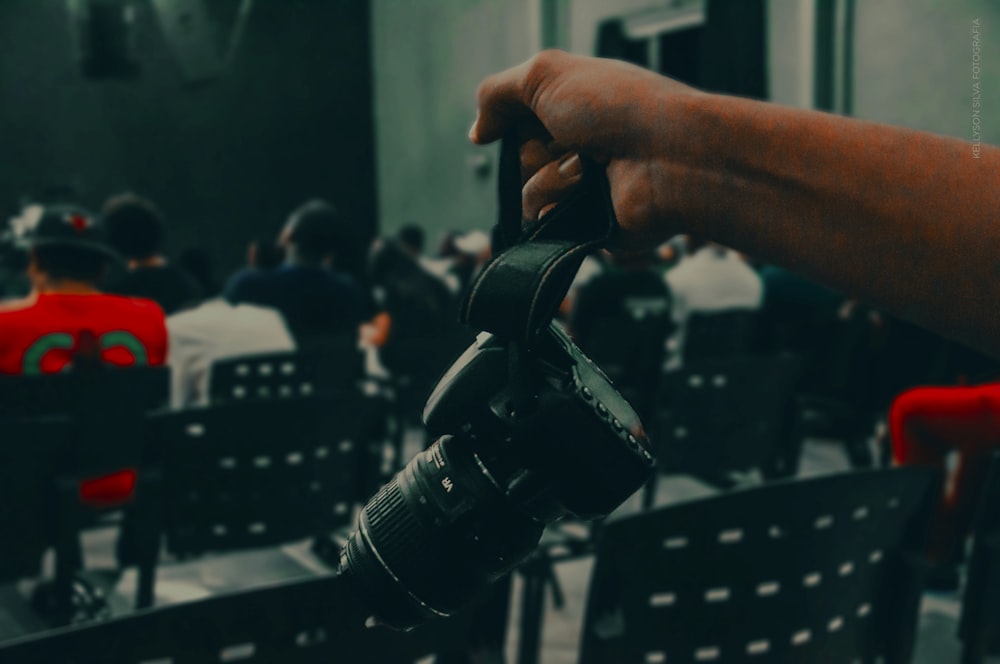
(568, 444)
(526, 437)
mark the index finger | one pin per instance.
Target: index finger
(503, 99)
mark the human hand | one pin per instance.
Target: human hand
(562, 105)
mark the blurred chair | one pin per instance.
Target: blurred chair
(820, 570)
(285, 375)
(979, 628)
(625, 333)
(29, 457)
(258, 473)
(721, 334)
(72, 455)
(716, 417)
(85, 391)
(837, 395)
(334, 374)
(416, 366)
(302, 621)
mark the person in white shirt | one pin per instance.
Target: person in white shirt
(217, 330)
(710, 278)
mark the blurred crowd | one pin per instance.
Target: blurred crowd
(103, 286)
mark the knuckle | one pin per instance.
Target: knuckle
(540, 68)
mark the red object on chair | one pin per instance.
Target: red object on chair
(927, 424)
(109, 490)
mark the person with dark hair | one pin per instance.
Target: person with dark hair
(260, 255)
(313, 289)
(137, 231)
(411, 237)
(263, 255)
(66, 317)
(422, 313)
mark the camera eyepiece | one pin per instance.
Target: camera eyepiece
(515, 453)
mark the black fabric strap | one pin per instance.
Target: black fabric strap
(520, 289)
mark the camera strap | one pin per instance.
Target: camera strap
(520, 289)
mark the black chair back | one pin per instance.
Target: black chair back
(625, 331)
(717, 416)
(80, 392)
(819, 570)
(257, 473)
(73, 449)
(29, 457)
(978, 628)
(721, 334)
(286, 375)
(298, 622)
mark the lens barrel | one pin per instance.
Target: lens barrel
(436, 536)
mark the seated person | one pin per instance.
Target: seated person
(217, 330)
(315, 298)
(411, 239)
(66, 313)
(423, 334)
(709, 279)
(66, 319)
(621, 318)
(136, 230)
(927, 424)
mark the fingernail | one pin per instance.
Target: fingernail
(473, 134)
(570, 166)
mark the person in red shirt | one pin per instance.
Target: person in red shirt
(66, 318)
(66, 315)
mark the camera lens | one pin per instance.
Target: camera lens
(551, 438)
(436, 536)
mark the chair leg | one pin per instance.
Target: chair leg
(146, 585)
(532, 614)
(971, 654)
(649, 492)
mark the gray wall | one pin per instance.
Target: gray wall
(429, 57)
(913, 64)
(226, 160)
(790, 44)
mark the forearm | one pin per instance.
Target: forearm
(906, 220)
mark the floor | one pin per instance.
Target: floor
(191, 580)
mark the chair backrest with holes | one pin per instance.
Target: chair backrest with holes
(981, 601)
(284, 375)
(714, 416)
(254, 474)
(721, 334)
(818, 570)
(297, 622)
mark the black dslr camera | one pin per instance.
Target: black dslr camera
(530, 431)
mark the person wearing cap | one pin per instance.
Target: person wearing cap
(66, 314)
